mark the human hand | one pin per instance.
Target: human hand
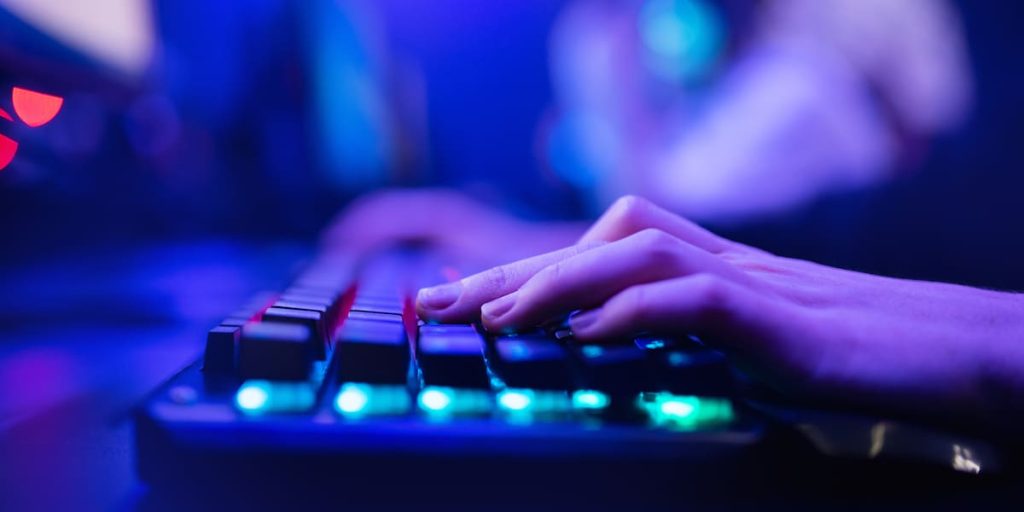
(443, 218)
(798, 325)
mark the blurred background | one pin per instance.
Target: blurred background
(859, 133)
(203, 146)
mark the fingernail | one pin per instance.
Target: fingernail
(582, 321)
(440, 297)
(498, 307)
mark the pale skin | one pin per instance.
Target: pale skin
(804, 328)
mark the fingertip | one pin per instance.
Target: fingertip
(440, 297)
(589, 325)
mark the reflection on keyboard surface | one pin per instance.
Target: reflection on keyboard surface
(337, 365)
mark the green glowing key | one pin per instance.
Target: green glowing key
(685, 412)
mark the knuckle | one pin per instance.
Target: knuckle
(498, 278)
(711, 293)
(548, 276)
(628, 212)
(659, 249)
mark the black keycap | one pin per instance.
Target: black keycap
(280, 351)
(374, 317)
(235, 321)
(331, 305)
(613, 369)
(687, 367)
(452, 355)
(301, 305)
(532, 362)
(310, 319)
(372, 351)
(327, 314)
(393, 306)
(221, 343)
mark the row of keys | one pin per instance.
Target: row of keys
(282, 337)
(362, 401)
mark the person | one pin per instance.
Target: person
(730, 110)
(803, 328)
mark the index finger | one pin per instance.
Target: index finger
(460, 301)
(632, 214)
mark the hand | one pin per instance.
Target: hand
(799, 325)
(446, 219)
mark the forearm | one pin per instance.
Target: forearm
(1002, 369)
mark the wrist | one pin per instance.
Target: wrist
(1002, 369)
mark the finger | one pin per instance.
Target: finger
(701, 304)
(631, 214)
(591, 277)
(460, 301)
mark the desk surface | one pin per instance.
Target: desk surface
(85, 336)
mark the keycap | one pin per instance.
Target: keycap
(276, 351)
(612, 369)
(221, 342)
(331, 305)
(688, 369)
(312, 320)
(370, 304)
(374, 317)
(452, 356)
(302, 305)
(532, 362)
(327, 314)
(373, 352)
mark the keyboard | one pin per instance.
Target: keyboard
(332, 384)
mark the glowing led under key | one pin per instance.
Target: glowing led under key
(253, 396)
(589, 399)
(515, 400)
(352, 399)
(677, 408)
(434, 399)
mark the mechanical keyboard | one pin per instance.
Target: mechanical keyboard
(334, 384)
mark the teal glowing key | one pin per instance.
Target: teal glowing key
(440, 403)
(253, 396)
(435, 399)
(526, 405)
(352, 399)
(589, 400)
(358, 400)
(685, 412)
(515, 400)
(259, 396)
